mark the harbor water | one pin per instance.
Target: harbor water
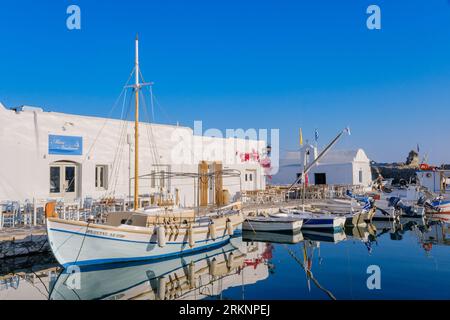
(409, 259)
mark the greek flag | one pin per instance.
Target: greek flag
(316, 135)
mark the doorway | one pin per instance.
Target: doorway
(320, 178)
(64, 180)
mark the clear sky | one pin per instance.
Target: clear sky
(245, 64)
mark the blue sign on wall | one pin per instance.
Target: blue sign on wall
(65, 145)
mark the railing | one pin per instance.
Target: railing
(16, 214)
(280, 194)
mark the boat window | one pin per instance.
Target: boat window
(101, 176)
(126, 221)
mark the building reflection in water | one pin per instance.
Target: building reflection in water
(205, 275)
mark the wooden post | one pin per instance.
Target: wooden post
(218, 185)
(203, 183)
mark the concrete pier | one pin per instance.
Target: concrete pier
(23, 241)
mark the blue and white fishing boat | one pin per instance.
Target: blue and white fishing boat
(142, 234)
(313, 220)
(133, 236)
(268, 223)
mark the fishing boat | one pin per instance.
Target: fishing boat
(438, 206)
(143, 233)
(355, 215)
(313, 220)
(268, 223)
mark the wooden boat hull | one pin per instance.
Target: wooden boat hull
(80, 243)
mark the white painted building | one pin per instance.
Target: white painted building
(48, 155)
(338, 167)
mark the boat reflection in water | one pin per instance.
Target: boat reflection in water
(260, 263)
(192, 277)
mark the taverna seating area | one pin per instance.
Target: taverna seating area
(14, 214)
(283, 194)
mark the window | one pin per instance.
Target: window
(69, 179)
(250, 176)
(101, 177)
(246, 177)
(55, 174)
(360, 176)
(63, 179)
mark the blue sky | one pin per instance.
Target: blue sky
(245, 64)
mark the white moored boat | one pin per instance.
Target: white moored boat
(314, 221)
(142, 234)
(83, 243)
(272, 224)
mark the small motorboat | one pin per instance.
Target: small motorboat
(313, 220)
(437, 206)
(267, 223)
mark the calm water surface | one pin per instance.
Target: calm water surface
(413, 258)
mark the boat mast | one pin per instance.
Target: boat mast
(136, 126)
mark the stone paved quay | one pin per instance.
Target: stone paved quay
(23, 241)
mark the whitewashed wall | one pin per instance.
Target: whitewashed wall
(340, 167)
(25, 162)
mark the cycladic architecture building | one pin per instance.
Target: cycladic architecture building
(338, 167)
(50, 155)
